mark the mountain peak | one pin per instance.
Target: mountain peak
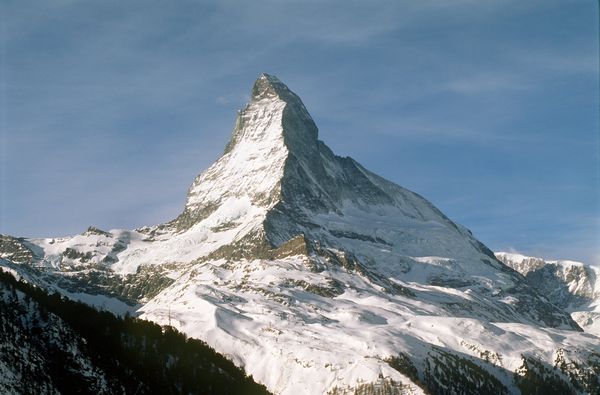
(286, 249)
(274, 111)
(273, 126)
(268, 86)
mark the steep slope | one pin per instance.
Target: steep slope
(318, 276)
(53, 345)
(276, 183)
(572, 286)
(30, 334)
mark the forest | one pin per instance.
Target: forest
(127, 355)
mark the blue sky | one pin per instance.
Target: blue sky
(489, 109)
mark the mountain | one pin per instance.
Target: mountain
(317, 276)
(572, 286)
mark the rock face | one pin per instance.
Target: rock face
(275, 164)
(319, 276)
(572, 286)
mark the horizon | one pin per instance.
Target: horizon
(493, 116)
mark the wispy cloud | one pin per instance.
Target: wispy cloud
(569, 60)
(488, 83)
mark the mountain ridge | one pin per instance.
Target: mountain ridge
(317, 275)
(571, 285)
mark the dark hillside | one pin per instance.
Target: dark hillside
(51, 344)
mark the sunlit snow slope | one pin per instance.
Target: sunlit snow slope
(318, 276)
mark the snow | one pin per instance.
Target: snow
(254, 165)
(103, 303)
(288, 337)
(301, 330)
(582, 281)
(519, 258)
(11, 271)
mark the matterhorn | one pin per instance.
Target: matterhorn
(318, 276)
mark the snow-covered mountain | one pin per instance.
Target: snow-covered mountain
(572, 286)
(318, 276)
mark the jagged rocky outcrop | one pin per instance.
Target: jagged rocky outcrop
(572, 286)
(314, 273)
(14, 249)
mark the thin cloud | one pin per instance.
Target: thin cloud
(578, 60)
(488, 83)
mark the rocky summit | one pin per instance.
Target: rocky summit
(319, 277)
